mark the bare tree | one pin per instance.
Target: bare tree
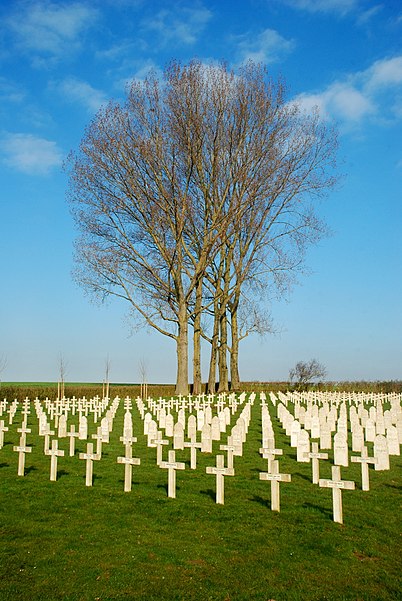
(143, 380)
(196, 184)
(106, 381)
(304, 372)
(3, 365)
(62, 377)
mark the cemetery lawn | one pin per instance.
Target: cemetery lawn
(63, 541)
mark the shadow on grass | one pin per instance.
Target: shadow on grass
(323, 510)
(61, 473)
(30, 469)
(210, 493)
(4, 465)
(303, 476)
(260, 500)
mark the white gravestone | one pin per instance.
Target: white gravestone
(21, 449)
(337, 486)
(381, 453)
(315, 456)
(172, 465)
(72, 435)
(54, 453)
(220, 471)
(193, 445)
(128, 460)
(275, 477)
(341, 451)
(364, 459)
(89, 456)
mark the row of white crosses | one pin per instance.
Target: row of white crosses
(320, 417)
(210, 427)
(58, 411)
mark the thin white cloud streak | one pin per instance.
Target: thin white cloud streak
(30, 154)
(369, 93)
(79, 91)
(51, 29)
(341, 7)
(178, 26)
(266, 47)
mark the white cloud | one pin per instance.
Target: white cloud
(341, 7)
(50, 29)
(178, 26)
(30, 154)
(82, 92)
(369, 93)
(384, 73)
(266, 47)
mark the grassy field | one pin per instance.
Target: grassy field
(64, 541)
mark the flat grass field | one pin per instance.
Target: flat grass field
(69, 542)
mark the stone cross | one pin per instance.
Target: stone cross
(158, 442)
(99, 437)
(172, 465)
(269, 452)
(3, 429)
(220, 471)
(193, 445)
(72, 435)
(47, 434)
(90, 456)
(24, 430)
(364, 459)
(21, 450)
(315, 456)
(275, 477)
(128, 460)
(54, 452)
(230, 448)
(337, 485)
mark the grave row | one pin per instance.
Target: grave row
(209, 418)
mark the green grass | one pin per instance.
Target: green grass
(64, 541)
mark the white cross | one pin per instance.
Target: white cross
(275, 477)
(3, 429)
(21, 450)
(193, 445)
(128, 462)
(220, 471)
(90, 456)
(337, 485)
(364, 459)
(54, 453)
(172, 465)
(316, 456)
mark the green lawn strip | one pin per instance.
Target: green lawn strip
(63, 540)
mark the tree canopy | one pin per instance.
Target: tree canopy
(193, 198)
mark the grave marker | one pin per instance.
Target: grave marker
(364, 459)
(172, 465)
(128, 460)
(275, 477)
(315, 456)
(89, 456)
(337, 486)
(21, 449)
(54, 453)
(220, 471)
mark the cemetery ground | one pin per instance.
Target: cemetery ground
(65, 541)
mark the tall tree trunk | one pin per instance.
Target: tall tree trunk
(234, 351)
(197, 340)
(222, 353)
(214, 355)
(182, 353)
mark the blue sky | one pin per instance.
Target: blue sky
(60, 61)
